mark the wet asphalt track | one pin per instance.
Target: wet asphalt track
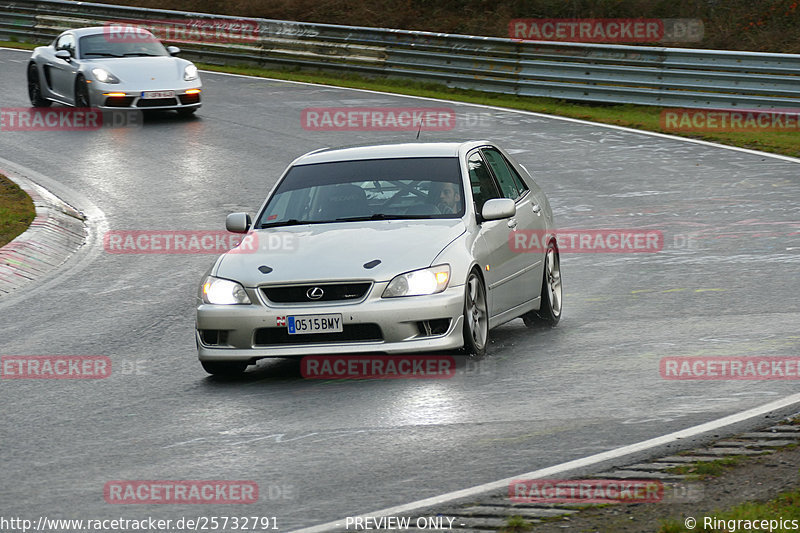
(726, 283)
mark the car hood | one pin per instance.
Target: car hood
(338, 251)
(146, 71)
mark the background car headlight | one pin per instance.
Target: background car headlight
(223, 292)
(426, 281)
(104, 76)
(190, 73)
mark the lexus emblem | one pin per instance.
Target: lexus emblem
(314, 293)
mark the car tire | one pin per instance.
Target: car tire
(35, 88)
(476, 316)
(224, 368)
(549, 312)
(82, 98)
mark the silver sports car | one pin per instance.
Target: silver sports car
(399, 248)
(99, 67)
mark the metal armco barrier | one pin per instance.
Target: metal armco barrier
(675, 77)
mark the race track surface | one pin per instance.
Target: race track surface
(725, 283)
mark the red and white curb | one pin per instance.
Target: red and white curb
(56, 233)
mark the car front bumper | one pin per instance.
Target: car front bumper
(107, 97)
(401, 321)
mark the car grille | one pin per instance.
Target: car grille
(187, 99)
(350, 333)
(119, 101)
(333, 292)
(156, 102)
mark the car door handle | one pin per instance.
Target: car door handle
(512, 223)
(537, 208)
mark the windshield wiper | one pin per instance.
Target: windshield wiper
(101, 54)
(292, 222)
(382, 216)
(376, 216)
(143, 54)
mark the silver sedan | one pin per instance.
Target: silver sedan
(399, 248)
(107, 69)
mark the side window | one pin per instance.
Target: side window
(66, 42)
(483, 186)
(510, 182)
(517, 178)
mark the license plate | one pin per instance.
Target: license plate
(158, 94)
(301, 324)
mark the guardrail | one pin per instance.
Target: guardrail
(674, 77)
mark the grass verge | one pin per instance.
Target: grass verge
(628, 115)
(516, 524)
(705, 469)
(16, 210)
(728, 494)
(779, 515)
(786, 506)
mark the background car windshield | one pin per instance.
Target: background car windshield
(104, 45)
(390, 188)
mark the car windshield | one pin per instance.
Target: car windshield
(108, 45)
(367, 190)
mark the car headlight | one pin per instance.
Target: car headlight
(419, 282)
(190, 73)
(104, 76)
(223, 292)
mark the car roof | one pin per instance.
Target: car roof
(93, 30)
(387, 151)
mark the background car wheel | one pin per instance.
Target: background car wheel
(81, 93)
(476, 316)
(35, 88)
(224, 368)
(550, 312)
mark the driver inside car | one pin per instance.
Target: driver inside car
(449, 199)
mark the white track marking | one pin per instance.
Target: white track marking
(591, 460)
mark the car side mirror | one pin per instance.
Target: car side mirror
(64, 55)
(238, 222)
(173, 50)
(498, 208)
